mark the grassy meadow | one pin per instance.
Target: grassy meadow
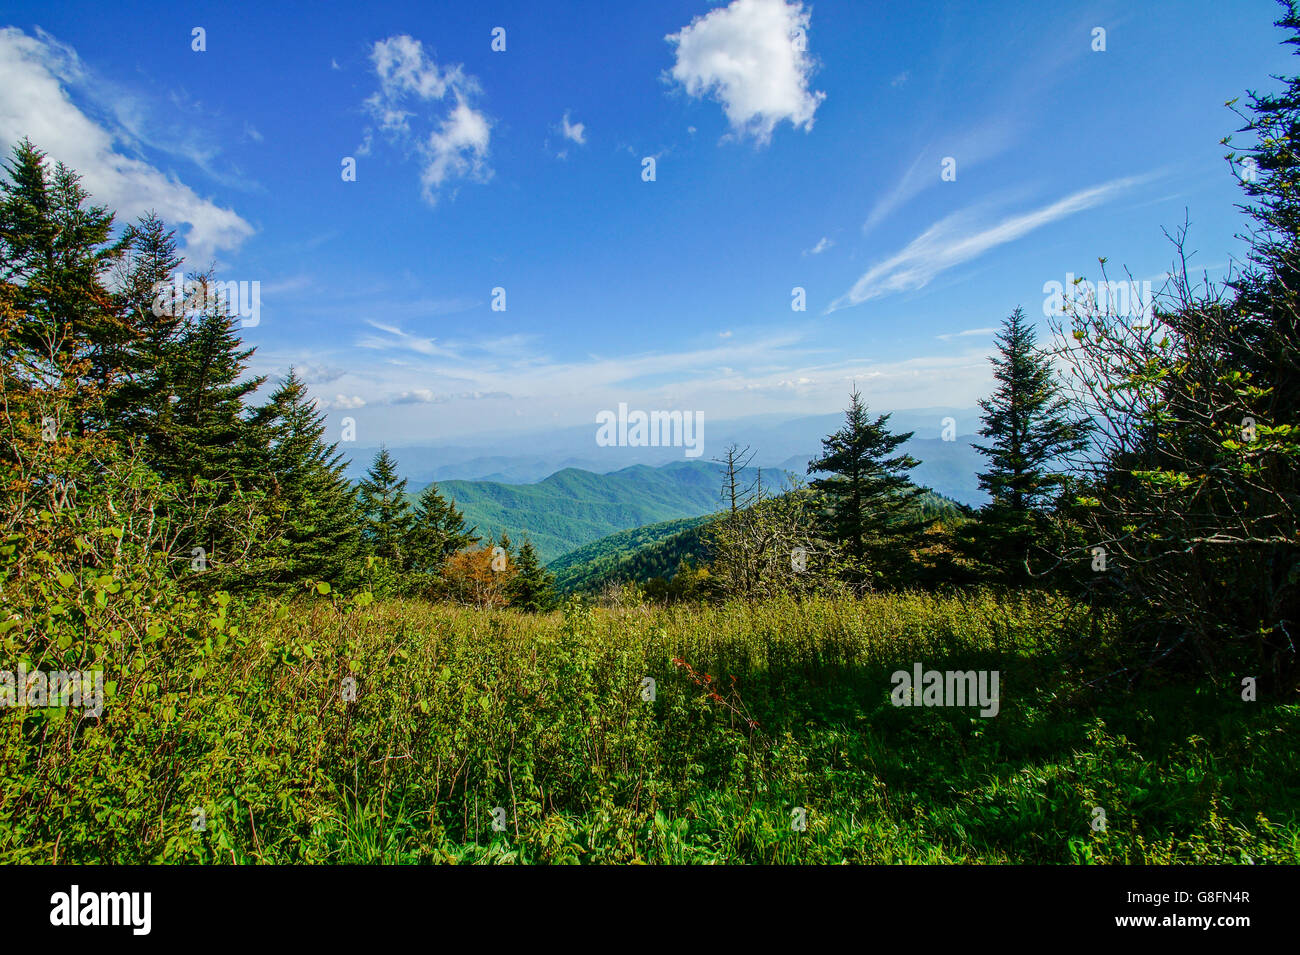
(770, 738)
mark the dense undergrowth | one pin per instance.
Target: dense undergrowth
(764, 717)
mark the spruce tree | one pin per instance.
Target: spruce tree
(1032, 432)
(870, 500)
(315, 505)
(56, 253)
(141, 405)
(1029, 421)
(532, 587)
(385, 513)
(437, 531)
(205, 433)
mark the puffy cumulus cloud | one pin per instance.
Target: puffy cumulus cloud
(751, 56)
(456, 149)
(38, 76)
(414, 92)
(422, 396)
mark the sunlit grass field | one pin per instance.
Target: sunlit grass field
(504, 737)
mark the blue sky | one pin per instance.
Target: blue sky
(775, 167)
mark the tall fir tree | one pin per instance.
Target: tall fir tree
(533, 587)
(206, 434)
(1264, 340)
(56, 314)
(386, 518)
(140, 406)
(871, 502)
(1029, 420)
(315, 505)
(1033, 432)
(437, 531)
(56, 253)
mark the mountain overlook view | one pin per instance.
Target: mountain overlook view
(573, 506)
(695, 432)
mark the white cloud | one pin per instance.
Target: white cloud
(957, 239)
(745, 56)
(319, 374)
(400, 339)
(820, 247)
(456, 147)
(344, 401)
(967, 333)
(425, 396)
(573, 131)
(37, 76)
(409, 391)
(968, 148)
(403, 68)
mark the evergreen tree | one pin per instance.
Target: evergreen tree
(532, 587)
(315, 505)
(141, 406)
(437, 531)
(1032, 432)
(205, 434)
(1264, 339)
(55, 254)
(385, 513)
(871, 500)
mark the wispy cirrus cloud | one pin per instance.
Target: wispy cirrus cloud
(968, 333)
(427, 396)
(968, 148)
(570, 133)
(958, 238)
(396, 338)
(409, 390)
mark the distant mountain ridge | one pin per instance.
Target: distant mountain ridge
(777, 441)
(582, 500)
(573, 507)
(657, 550)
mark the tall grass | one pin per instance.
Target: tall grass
(763, 717)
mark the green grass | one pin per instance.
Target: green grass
(459, 712)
